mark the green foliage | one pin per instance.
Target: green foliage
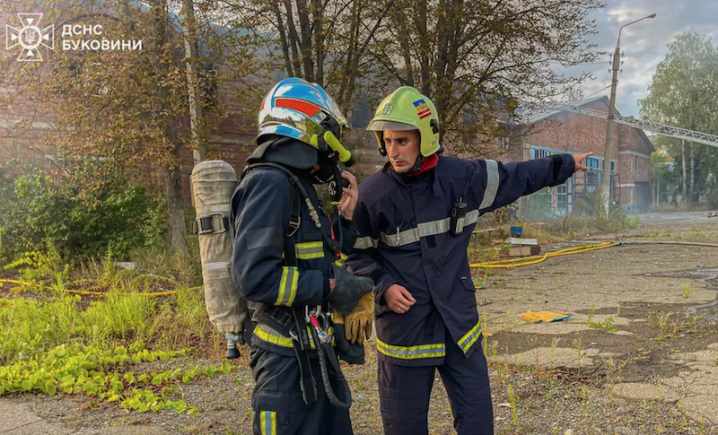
(539, 205)
(38, 213)
(687, 290)
(184, 267)
(608, 324)
(93, 372)
(592, 207)
(682, 93)
(29, 327)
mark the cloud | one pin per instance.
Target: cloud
(644, 44)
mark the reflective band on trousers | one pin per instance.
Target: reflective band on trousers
(427, 229)
(470, 337)
(268, 422)
(411, 352)
(310, 250)
(288, 286)
(265, 333)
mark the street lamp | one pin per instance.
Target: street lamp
(606, 181)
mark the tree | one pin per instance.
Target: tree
(573, 95)
(119, 109)
(684, 92)
(325, 42)
(475, 58)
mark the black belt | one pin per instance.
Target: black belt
(291, 322)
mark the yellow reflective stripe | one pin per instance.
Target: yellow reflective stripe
(310, 250)
(268, 422)
(411, 352)
(288, 286)
(470, 337)
(343, 258)
(295, 284)
(265, 333)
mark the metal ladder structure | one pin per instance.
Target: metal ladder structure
(662, 129)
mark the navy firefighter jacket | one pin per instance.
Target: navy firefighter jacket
(404, 239)
(261, 206)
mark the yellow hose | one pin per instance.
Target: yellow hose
(90, 293)
(527, 261)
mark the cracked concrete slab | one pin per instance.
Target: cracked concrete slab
(644, 391)
(547, 358)
(19, 419)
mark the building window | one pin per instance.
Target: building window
(633, 163)
(539, 153)
(562, 198)
(503, 143)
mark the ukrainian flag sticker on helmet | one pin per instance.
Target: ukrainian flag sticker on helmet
(422, 109)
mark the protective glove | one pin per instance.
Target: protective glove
(351, 353)
(359, 322)
(348, 290)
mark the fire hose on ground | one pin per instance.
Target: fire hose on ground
(528, 261)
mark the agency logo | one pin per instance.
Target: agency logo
(30, 37)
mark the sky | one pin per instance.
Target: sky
(644, 44)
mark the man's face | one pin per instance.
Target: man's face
(402, 148)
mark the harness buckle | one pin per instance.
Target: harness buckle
(294, 226)
(206, 224)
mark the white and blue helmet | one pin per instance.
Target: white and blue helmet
(301, 110)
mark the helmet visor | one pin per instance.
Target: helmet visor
(390, 125)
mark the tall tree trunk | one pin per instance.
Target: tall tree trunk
(318, 14)
(283, 39)
(685, 176)
(422, 28)
(306, 40)
(175, 205)
(294, 41)
(199, 149)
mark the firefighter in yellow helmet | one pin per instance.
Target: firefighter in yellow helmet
(415, 219)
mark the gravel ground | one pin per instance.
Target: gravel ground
(579, 375)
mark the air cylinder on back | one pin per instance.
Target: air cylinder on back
(213, 182)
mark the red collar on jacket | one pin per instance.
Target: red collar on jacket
(426, 164)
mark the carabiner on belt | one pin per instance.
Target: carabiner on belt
(319, 327)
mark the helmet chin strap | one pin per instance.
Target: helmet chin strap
(417, 165)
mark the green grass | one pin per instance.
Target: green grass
(55, 342)
(42, 315)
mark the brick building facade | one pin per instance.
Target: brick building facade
(563, 131)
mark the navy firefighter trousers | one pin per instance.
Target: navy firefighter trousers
(405, 393)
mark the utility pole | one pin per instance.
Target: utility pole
(606, 180)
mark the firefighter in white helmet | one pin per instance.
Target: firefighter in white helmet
(286, 263)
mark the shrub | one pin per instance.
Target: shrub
(38, 213)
